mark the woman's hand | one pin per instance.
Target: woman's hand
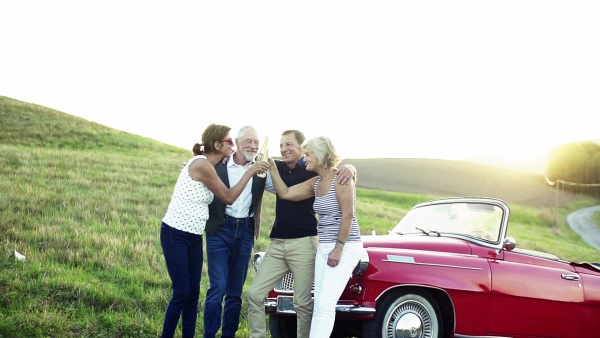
(334, 257)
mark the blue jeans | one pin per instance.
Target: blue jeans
(228, 252)
(183, 255)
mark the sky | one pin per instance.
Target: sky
(382, 79)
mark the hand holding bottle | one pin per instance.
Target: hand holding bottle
(263, 155)
(260, 168)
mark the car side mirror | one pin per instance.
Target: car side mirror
(509, 244)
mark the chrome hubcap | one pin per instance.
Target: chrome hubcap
(409, 320)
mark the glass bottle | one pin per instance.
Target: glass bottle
(263, 155)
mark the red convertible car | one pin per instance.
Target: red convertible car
(447, 269)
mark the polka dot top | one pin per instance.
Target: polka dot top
(188, 209)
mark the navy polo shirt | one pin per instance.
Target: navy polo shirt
(294, 219)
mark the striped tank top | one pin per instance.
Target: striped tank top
(330, 215)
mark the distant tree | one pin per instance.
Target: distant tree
(576, 162)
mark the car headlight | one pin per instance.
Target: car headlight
(258, 257)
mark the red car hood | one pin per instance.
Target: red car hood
(416, 242)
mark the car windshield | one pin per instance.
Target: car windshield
(478, 220)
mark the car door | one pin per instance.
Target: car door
(534, 296)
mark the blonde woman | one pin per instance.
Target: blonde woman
(339, 245)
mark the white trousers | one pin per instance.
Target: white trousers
(330, 282)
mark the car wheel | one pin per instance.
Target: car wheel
(411, 315)
(282, 326)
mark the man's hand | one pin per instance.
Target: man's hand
(346, 173)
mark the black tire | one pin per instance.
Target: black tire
(410, 315)
(282, 326)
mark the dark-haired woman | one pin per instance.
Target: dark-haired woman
(185, 219)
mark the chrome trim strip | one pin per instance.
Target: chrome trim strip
(354, 310)
(400, 259)
(429, 264)
(445, 253)
(271, 306)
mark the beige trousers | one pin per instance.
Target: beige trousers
(283, 255)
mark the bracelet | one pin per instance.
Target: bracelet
(339, 241)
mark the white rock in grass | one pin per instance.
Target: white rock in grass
(19, 256)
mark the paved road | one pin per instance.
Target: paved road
(581, 222)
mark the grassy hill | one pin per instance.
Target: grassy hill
(459, 178)
(83, 203)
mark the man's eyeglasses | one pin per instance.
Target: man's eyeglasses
(228, 140)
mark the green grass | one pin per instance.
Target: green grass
(84, 203)
(596, 218)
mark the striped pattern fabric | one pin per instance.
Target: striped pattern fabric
(330, 215)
